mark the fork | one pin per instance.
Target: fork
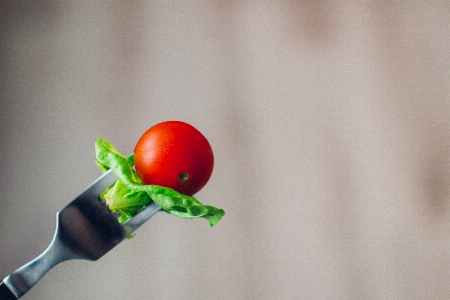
(85, 229)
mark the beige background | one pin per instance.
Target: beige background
(330, 123)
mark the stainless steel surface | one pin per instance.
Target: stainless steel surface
(85, 229)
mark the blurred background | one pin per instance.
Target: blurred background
(329, 120)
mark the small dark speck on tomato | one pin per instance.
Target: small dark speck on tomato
(183, 176)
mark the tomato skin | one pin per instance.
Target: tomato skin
(174, 154)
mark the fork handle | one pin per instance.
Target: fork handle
(5, 292)
(24, 278)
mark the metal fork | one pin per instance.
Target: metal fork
(85, 229)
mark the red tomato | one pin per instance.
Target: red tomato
(176, 155)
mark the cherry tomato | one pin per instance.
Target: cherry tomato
(176, 155)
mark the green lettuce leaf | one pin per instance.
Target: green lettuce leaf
(128, 195)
